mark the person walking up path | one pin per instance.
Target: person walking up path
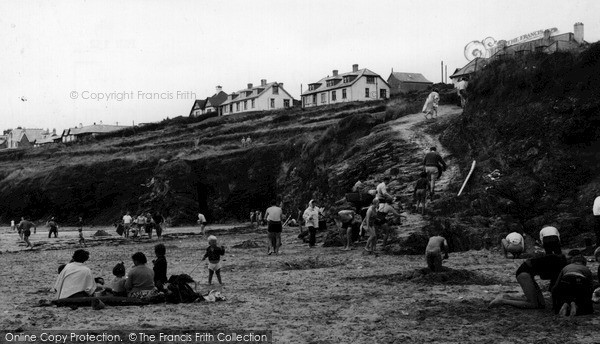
(432, 163)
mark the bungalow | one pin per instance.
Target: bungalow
(267, 96)
(22, 137)
(210, 104)
(47, 138)
(406, 82)
(81, 132)
(358, 85)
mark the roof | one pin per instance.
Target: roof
(47, 139)
(216, 100)
(95, 129)
(257, 91)
(471, 67)
(199, 104)
(358, 74)
(410, 77)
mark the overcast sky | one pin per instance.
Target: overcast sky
(58, 55)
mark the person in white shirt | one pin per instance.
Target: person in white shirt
(127, 224)
(202, 222)
(513, 243)
(550, 239)
(311, 220)
(76, 279)
(461, 89)
(274, 227)
(596, 212)
(382, 194)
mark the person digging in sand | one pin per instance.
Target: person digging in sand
(572, 293)
(433, 252)
(214, 253)
(547, 267)
(514, 244)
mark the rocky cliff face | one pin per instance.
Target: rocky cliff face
(183, 166)
(533, 125)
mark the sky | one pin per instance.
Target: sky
(128, 62)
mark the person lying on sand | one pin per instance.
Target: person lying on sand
(75, 279)
(547, 267)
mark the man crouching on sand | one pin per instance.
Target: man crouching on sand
(433, 253)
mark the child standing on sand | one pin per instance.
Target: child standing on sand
(214, 253)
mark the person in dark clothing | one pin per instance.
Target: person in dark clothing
(160, 266)
(214, 253)
(547, 267)
(572, 293)
(158, 220)
(422, 187)
(432, 163)
(53, 228)
(80, 230)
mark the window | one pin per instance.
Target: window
(370, 80)
(367, 92)
(346, 79)
(275, 89)
(286, 103)
(383, 93)
(330, 83)
(314, 99)
(245, 105)
(322, 97)
(333, 95)
(272, 103)
(237, 106)
(344, 93)
(252, 103)
(230, 107)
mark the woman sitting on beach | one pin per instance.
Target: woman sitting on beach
(140, 278)
(75, 279)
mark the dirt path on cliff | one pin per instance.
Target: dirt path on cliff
(412, 129)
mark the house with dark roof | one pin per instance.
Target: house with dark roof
(357, 85)
(210, 104)
(266, 96)
(473, 66)
(407, 82)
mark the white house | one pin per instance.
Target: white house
(210, 104)
(358, 85)
(267, 96)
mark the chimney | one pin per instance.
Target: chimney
(249, 85)
(335, 72)
(263, 82)
(578, 32)
(355, 67)
(219, 89)
(280, 84)
(546, 34)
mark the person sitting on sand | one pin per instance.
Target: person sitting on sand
(547, 267)
(550, 239)
(118, 284)
(513, 243)
(347, 220)
(572, 293)
(433, 252)
(75, 279)
(140, 279)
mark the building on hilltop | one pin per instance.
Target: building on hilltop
(547, 43)
(22, 137)
(48, 138)
(407, 82)
(210, 104)
(267, 96)
(357, 85)
(81, 132)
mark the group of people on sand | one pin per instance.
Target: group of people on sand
(570, 280)
(75, 279)
(24, 227)
(145, 222)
